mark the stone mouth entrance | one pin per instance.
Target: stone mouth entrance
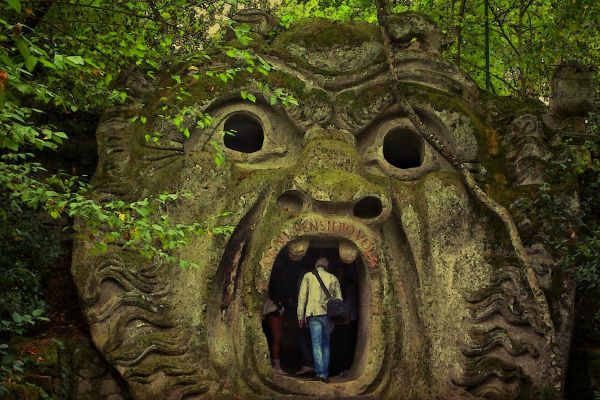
(288, 269)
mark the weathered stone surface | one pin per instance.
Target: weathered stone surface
(92, 378)
(446, 310)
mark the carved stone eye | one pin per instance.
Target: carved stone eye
(247, 133)
(403, 148)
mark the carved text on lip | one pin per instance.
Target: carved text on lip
(344, 228)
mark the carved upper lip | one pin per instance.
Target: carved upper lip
(353, 237)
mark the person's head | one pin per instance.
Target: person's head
(322, 262)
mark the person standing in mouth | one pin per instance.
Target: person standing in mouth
(312, 311)
(273, 316)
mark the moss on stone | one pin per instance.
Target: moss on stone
(364, 100)
(319, 33)
(320, 37)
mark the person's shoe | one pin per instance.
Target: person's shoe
(279, 371)
(324, 379)
(305, 371)
(342, 374)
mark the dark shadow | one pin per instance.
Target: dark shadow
(403, 148)
(284, 284)
(243, 133)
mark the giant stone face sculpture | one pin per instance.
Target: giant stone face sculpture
(446, 308)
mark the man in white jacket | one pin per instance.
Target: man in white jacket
(312, 311)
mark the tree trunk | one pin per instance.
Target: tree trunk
(460, 18)
(488, 81)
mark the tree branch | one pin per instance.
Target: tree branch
(493, 75)
(503, 32)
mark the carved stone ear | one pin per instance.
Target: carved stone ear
(411, 30)
(261, 21)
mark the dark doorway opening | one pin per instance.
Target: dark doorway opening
(286, 275)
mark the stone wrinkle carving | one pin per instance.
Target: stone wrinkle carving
(527, 154)
(446, 309)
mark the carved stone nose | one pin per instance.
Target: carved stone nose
(291, 201)
(368, 207)
(329, 180)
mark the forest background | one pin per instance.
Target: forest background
(64, 62)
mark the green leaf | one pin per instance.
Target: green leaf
(77, 60)
(22, 47)
(37, 312)
(59, 61)
(46, 63)
(6, 59)
(30, 63)
(14, 4)
(17, 317)
(153, 64)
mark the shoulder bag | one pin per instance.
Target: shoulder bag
(336, 309)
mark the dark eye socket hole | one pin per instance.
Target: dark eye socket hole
(403, 149)
(368, 207)
(249, 134)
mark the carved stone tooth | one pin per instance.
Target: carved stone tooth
(348, 251)
(297, 248)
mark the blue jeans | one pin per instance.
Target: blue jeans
(320, 333)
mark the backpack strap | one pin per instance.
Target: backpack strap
(322, 284)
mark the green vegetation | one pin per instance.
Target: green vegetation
(569, 223)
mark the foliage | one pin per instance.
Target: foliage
(570, 223)
(14, 371)
(344, 10)
(26, 248)
(57, 59)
